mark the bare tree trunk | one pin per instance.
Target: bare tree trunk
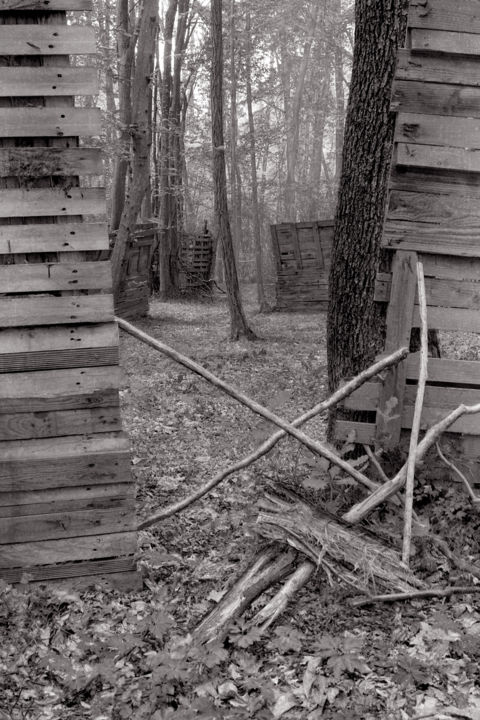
(235, 192)
(126, 41)
(141, 135)
(257, 233)
(354, 326)
(340, 107)
(238, 323)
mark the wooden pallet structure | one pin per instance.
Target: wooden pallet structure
(434, 214)
(133, 297)
(66, 492)
(197, 254)
(302, 253)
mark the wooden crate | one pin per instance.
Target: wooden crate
(197, 254)
(134, 295)
(67, 503)
(432, 213)
(302, 254)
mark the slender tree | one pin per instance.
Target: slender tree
(238, 323)
(353, 319)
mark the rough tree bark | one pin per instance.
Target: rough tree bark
(353, 321)
(140, 134)
(238, 322)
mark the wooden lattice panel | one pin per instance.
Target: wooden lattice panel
(433, 213)
(66, 492)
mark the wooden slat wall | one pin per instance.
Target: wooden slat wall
(433, 212)
(66, 492)
(302, 254)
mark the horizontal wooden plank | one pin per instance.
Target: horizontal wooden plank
(453, 268)
(53, 237)
(442, 293)
(64, 462)
(454, 319)
(47, 40)
(448, 372)
(431, 238)
(45, 5)
(460, 71)
(445, 15)
(410, 96)
(47, 552)
(58, 347)
(46, 277)
(439, 182)
(91, 570)
(431, 156)
(462, 212)
(50, 122)
(47, 81)
(437, 130)
(363, 433)
(442, 41)
(65, 499)
(41, 162)
(49, 310)
(44, 424)
(52, 202)
(74, 388)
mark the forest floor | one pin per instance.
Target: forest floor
(106, 654)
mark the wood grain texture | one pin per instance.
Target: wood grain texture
(441, 41)
(44, 390)
(45, 162)
(431, 238)
(45, 5)
(90, 571)
(52, 237)
(409, 96)
(63, 499)
(47, 81)
(49, 310)
(453, 319)
(442, 69)
(432, 157)
(46, 552)
(50, 277)
(362, 432)
(440, 182)
(436, 130)
(461, 16)
(55, 424)
(442, 293)
(50, 122)
(399, 324)
(47, 40)
(52, 201)
(58, 359)
(462, 212)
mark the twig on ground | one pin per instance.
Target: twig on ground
(417, 415)
(363, 508)
(275, 607)
(474, 498)
(458, 562)
(270, 443)
(374, 460)
(417, 595)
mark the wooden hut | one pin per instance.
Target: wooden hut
(302, 254)
(67, 501)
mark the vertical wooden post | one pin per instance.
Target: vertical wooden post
(399, 326)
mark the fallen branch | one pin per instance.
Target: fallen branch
(268, 444)
(458, 562)
(416, 595)
(268, 568)
(417, 416)
(474, 498)
(363, 508)
(355, 557)
(276, 606)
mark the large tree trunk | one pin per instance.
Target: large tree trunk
(141, 136)
(238, 323)
(354, 327)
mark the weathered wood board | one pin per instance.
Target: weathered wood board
(432, 214)
(67, 500)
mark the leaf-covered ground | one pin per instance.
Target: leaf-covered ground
(107, 655)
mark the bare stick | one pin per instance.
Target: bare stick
(416, 595)
(417, 415)
(474, 498)
(276, 606)
(313, 445)
(458, 562)
(361, 509)
(374, 460)
(268, 444)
